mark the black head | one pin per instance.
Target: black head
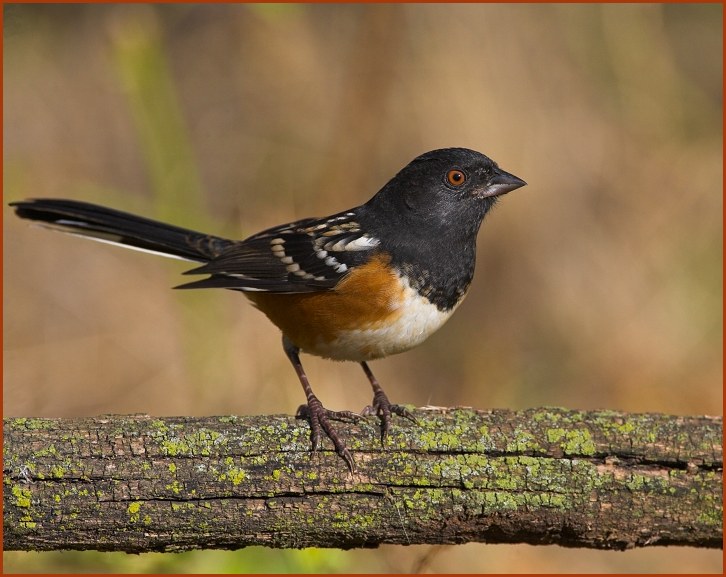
(430, 214)
(450, 189)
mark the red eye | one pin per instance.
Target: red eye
(455, 177)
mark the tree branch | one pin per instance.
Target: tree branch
(582, 479)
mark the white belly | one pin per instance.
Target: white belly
(412, 322)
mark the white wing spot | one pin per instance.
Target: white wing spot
(362, 243)
(337, 247)
(276, 245)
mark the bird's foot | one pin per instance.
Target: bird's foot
(319, 418)
(384, 409)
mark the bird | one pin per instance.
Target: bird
(359, 285)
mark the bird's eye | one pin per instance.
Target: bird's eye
(455, 177)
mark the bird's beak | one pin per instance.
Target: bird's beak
(501, 182)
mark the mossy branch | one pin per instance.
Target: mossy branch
(583, 479)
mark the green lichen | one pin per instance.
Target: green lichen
(49, 451)
(617, 424)
(554, 435)
(572, 441)
(711, 517)
(175, 487)
(484, 435)
(32, 424)
(636, 482)
(258, 460)
(22, 497)
(625, 428)
(237, 475)
(427, 503)
(496, 501)
(159, 427)
(522, 441)
(579, 442)
(449, 441)
(427, 440)
(18, 423)
(133, 511)
(353, 521)
(232, 473)
(203, 442)
(172, 447)
(228, 419)
(552, 414)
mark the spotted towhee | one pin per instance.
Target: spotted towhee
(359, 285)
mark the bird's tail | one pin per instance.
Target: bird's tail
(116, 227)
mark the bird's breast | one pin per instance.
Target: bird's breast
(372, 313)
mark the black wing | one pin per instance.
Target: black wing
(304, 256)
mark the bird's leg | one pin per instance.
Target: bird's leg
(314, 411)
(381, 406)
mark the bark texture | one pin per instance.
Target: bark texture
(136, 483)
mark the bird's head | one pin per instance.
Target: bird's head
(449, 187)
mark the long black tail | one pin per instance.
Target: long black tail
(109, 225)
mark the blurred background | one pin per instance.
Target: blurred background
(599, 285)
